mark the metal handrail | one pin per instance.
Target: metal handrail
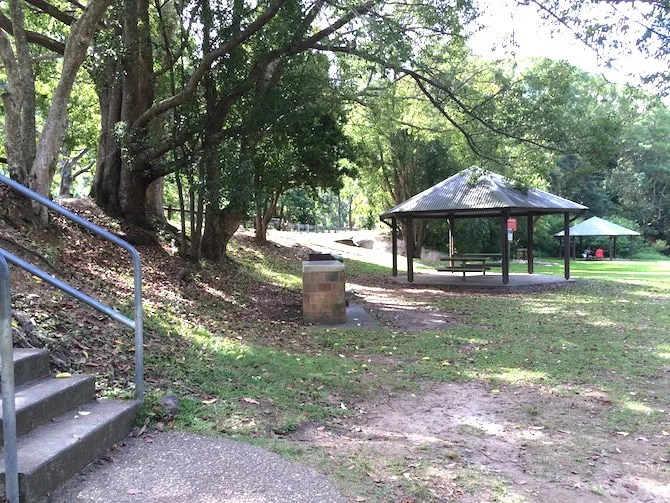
(137, 323)
(8, 403)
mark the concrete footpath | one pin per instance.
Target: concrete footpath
(175, 466)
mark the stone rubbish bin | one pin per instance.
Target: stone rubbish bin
(323, 300)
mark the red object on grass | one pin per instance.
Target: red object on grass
(600, 254)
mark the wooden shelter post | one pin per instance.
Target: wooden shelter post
(529, 251)
(394, 244)
(614, 247)
(504, 216)
(409, 240)
(611, 248)
(452, 248)
(630, 248)
(566, 244)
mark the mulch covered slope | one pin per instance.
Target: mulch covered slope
(218, 297)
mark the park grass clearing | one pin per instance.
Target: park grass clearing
(590, 359)
(538, 396)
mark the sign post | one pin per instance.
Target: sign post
(511, 227)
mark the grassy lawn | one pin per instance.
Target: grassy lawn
(260, 381)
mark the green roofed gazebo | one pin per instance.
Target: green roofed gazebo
(477, 193)
(599, 227)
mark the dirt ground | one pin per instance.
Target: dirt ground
(546, 447)
(542, 445)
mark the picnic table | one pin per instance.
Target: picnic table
(471, 262)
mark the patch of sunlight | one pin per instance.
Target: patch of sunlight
(601, 323)
(485, 427)
(638, 407)
(224, 345)
(515, 375)
(664, 351)
(283, 279)
(652, 295)
(655, 487)
(219, 294)
(545, 309)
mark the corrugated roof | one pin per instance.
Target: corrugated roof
(595, 226)
(477, 192)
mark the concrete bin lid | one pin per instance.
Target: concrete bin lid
(322, 266)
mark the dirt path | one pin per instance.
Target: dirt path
(465, 441)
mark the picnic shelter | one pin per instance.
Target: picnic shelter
(478, 193)
(596, 227)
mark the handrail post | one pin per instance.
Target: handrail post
(139, 327)
(8, 404)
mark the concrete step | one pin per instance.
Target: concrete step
(53, 453)
(30, 364)
(39, 401)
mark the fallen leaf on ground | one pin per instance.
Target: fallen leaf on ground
(62, 375)
(250, 400)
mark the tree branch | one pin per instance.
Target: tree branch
(52, 11)
(207, 61)
(34, 37)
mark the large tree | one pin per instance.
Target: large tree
(31, 158)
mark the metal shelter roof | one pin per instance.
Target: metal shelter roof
(595, 226)
(477, 192)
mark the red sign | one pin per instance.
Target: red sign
(511, 224)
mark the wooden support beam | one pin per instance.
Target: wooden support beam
(530, 254)
(566, 244)
(409, 240)
(504, 216)
(394, 244)
(611, 249)
(452, 248)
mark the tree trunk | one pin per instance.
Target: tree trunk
(125, 91)
(81, 33)
(220, 225)
(419, 237)
(155, 212)
(197, 216)
(65, 189)
(132, 193)
(105, 188)
(263, 220)
(183, 244)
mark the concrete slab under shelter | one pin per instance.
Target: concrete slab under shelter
(489, 281)
(357, 318)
